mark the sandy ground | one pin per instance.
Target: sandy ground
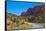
(35, 26)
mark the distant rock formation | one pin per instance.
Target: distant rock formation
(34, 11)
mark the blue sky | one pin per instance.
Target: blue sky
(18, 7)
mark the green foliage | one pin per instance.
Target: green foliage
(29, 17)
(26, 26)
(38, 18)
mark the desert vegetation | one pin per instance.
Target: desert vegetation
(32, 15)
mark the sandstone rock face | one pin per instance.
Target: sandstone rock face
(34, 11)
